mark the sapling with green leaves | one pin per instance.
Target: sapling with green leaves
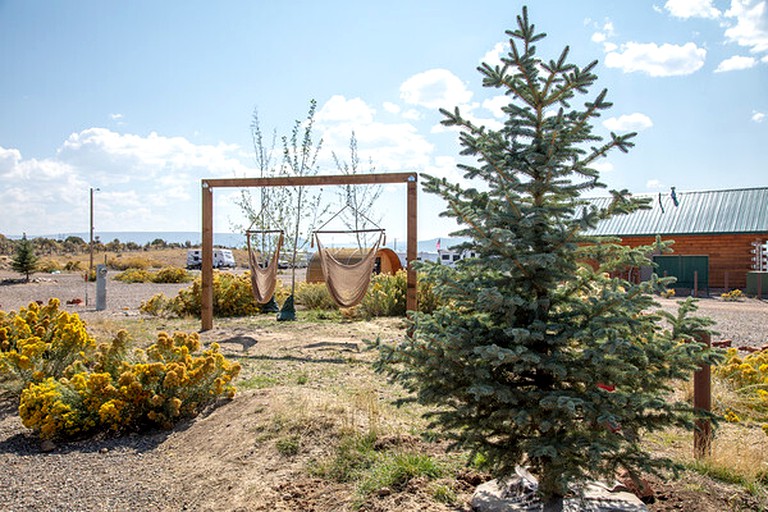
(541, 355)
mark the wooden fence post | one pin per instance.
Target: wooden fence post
(695, 283)
(702, 402)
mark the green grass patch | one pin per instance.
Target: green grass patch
(258, 381)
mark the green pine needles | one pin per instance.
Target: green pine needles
(539, 355)
(24, 259)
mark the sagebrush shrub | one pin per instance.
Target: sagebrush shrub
(41, 341)
(70, 386)
(171, 275)
(747, 376)
(314, 296)
(48, 265)
(232, 296)
(386, 296)
(134, 275)
(124, 263)
(157, 388)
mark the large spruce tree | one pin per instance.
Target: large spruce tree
(540, 357)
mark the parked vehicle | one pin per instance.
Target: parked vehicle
(222, 258)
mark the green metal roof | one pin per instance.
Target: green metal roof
(707, 212)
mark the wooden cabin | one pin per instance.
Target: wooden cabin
(716, 234)
(387, 262)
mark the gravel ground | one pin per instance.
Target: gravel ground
(121, 297)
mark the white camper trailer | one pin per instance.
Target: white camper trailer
(222, 258)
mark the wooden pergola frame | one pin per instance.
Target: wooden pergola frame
(409, 178)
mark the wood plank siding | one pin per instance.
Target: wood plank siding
(729, 254)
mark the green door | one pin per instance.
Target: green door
(686, 269)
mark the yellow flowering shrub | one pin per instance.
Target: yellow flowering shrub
(42, 341)
(386, 296)
(732, 296)
(748, 376)
(156, 388)
(134, 275)
(232, 296)
(70, 386)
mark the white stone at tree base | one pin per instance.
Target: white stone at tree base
(495, 496)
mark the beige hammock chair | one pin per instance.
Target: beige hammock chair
(263, 279)
(348, 282)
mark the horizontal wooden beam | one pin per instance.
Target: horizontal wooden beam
(298, 181)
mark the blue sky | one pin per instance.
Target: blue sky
(143, 99)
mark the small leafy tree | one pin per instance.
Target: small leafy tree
(359, 198)
(538, 357)
(295, 210)
(24, 260)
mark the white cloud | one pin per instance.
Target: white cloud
(751, 28)
(111, 157)
(603, 32)
(494, 55)
(389, 146)
(628, 122)
(412, 115)
(657, 61)
(146, 183)
(692, 9)
(435, 88)
(340, 109)
(603, 166)
(495, 104)
(9, 159)
(758, 117)
(654, 184)
(116, 117)
(390, 107)
(736, 63)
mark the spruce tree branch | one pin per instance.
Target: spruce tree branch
(458, 214)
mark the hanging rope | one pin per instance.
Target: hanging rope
(347, 283)
(263, 280)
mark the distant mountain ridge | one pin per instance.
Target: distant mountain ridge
(220, 239)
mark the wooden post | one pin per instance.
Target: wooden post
(411, 300)
(206, 301)
(695, 283)
(702, 401)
